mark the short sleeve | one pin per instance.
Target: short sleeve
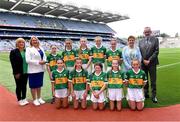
(70, 77)
(91, 51)
(77, 53)
(104, 51)
(123, 75)
(105, 78)
(48, 59)
(87, 75)
(126, 76)
(90, 79)
(120, 53)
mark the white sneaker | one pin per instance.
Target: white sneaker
(21, 103)
(70, 98)
(88, 97)
(41, 101)
(25, 101)
(36, 102)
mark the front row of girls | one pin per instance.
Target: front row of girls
(77, 83)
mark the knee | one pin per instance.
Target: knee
(133, 108)
(139, 108)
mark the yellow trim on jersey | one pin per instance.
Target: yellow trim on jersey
(97, 83)
(84, 56)
(52, 63)
(115, 81)
(110, 58)
(79, 80)
(98, 55)
(69, 58)
(61, 80)
(134, 81)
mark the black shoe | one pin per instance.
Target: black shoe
(154, 100)
(147, 96)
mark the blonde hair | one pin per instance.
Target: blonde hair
(18, 40)
(98, 38)
(34, 37)
(80, 50)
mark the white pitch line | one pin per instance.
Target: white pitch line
(168, 65)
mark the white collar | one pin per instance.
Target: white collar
(135, 71)
(114, 71)
(68, 50)
(113, 50)
(98, 47)
(54, 54)
(78, 70)
(60, 71)
(98, 74)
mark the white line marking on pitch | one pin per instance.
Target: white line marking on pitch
(168, 65)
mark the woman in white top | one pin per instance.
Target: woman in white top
(129, 53)
(36, 59)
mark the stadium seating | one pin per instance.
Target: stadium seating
(49, 30)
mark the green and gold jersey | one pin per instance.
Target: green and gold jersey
(135, 80)
(84, 55)
(97, 82)
(115, 79)
(98, 54)
(52, 60)
(111, 55)
(69, 57)
(79, 79)
(61, 79)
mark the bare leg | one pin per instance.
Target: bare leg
(58, 103)
(38, 93)
(65, 102)
(75, 103)
(101, 106)
(140, 106)
(33, 93)
(83, 104)
(132, 104)
(111, 105)
(95, 106)
(119, 105)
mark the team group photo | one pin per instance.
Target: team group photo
(64, 60)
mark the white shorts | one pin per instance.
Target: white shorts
(79, 94)
(88, 69)
(70, 68)
(116, 94)
(61, 93)
(135, 94)
(104, 70)
(100, 100)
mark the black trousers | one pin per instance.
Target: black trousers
(21, 84)
(151, 70)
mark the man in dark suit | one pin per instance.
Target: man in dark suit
(149, 47)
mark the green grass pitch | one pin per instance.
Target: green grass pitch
(168, 82)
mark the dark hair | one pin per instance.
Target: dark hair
(98, 64)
